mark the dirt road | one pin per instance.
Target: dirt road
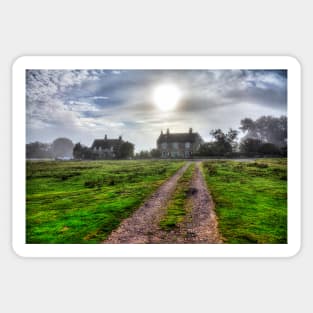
(199, 226)
(142, 224)
(201, 223)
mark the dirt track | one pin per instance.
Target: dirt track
(199, 226)
(142, 224)
(201, 223)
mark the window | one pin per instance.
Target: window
(175, 145)
(164, 145)
(187, 145)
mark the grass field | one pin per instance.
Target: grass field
(250, 199)
(82, 202)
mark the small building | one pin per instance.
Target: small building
(178, 145)
(107, 148)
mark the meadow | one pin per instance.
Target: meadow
(250, 199)
(83, 201)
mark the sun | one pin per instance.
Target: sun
(166, 97)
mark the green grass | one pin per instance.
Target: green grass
(176, 208)
(82, 202)
(250, 198)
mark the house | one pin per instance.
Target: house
(107, 148)
(178, 145)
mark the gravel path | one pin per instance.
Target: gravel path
(140, 227)
(200, 223)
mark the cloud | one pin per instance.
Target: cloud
(79, 106)
(84, 104)
(99, 98)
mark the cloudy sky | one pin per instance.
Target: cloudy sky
(86, 104)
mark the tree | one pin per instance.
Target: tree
(267, 129)
(207, 149)
(155, 153)
(224, 142)
(269, 149)
(143, 154)
(78, 151)
(62, 147)
(248, 125)
(250, 146)
(231, 136)
(284, 151)
(38, 150)
(126, 150)
(88, 154)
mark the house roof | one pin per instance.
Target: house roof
(106, 143)
(179, 137)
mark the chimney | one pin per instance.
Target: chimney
(161, 132)
(105, 137)
(120, 138)
(190, 130)
(167, 131)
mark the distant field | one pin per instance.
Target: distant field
(82, 202)
(250, 199)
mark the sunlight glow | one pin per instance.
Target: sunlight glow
(166, 97)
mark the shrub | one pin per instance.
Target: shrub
(269, 149)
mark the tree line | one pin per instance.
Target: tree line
(265, 136)
(59, 148)
(123, 151)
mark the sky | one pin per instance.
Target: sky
(84, 105)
